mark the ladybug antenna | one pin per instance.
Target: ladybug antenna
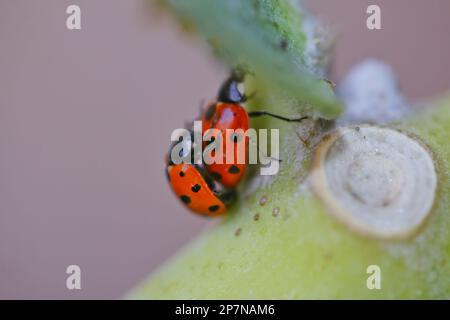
(229, 91)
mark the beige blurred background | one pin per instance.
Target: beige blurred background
(86, 116)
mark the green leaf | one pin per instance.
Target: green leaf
(268, 38)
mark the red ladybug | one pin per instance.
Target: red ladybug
(209, 189)
(228, 113)
(222, 116)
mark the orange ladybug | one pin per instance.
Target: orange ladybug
(209, 189)
(198, 192)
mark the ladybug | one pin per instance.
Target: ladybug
(228, 113)
(223, 116)
(197, 190)
(209, 189)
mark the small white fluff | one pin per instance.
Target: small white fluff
(371, 95)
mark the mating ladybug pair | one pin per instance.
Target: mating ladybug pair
(210, 189)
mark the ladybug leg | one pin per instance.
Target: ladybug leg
(265, 113)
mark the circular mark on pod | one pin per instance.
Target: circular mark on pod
(275, 211)
(378, 181)
(263, 200)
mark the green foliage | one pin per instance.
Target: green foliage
(266, 37)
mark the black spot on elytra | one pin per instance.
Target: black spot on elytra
(195, 188)
(216, 175)
(181, 174)
(283, 45)
(235, 137)
(185, 199)
(233, 169)
(214, 208)
(210, 111)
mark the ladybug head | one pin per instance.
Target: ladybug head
(229, 91)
